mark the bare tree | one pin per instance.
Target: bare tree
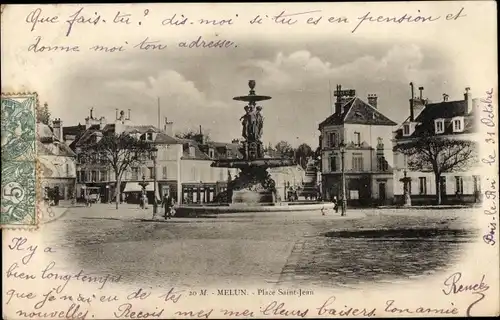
(438, 154)
(118, 152)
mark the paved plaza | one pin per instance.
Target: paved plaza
(262, 248)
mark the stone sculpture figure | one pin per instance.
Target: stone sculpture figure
(259, 123)
(245, 122)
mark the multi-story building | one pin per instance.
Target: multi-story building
(57, 162)
(183, 166)
(368, 156)
(447, 120)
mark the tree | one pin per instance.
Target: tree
(119, 152)
(43, 114)
(192, 135)
(302, 153)
(438, 155)
(284, 149)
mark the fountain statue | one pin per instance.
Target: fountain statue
(254, 183)
(252, 191)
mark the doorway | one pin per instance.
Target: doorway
(382, 193)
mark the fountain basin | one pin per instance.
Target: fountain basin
(263, 163)
(235, 208)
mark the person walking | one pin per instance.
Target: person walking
(167, 204)
(335, 204)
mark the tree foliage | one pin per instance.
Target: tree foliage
(43, 114)
(439, 155)
(302, 154)
(118, 152)
(284, 149)
(192, 135)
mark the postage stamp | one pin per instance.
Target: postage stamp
(19, 160)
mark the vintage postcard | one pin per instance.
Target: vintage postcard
(264, 160)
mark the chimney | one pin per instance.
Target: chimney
(412, 115)
(445, 97)
(168, 127)
(58, 128)
(468, 100)
(372, 100)
(421, 89)
(338, 103)
(116, 114)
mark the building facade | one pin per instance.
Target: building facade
(367, 159)
(447, 120)
(183, 166)
(57, 163)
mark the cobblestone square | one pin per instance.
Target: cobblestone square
(367, 246)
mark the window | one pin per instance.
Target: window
(67, 169)
(165, 173)
(459, 185)
(151, 172)
(382, 164)
(477, 183)
(102, 175)
(333, 139)
(422, 185)
(333, 163)
(357, 162)
(191, 151)
(81, 158)
(406, 130)
(357, 138)
(439, 125)
(135, 173)
(458, 124)
(79, 176)
(94, 176)
(211, 153)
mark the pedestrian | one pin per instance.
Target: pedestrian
(167, 204)
(335, 204)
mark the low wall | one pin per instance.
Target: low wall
(199, 211)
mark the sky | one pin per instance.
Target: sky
(197, 88)
(295, 65)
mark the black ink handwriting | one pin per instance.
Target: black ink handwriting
(35, 17)
(453, 286)
(18, 244)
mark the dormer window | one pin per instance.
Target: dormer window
(439, 125)
(192, 151)
(458, 124)
(148, 136)
(406, 130)
(211, 153)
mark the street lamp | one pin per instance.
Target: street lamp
(143, 184)
(406, 181)
(154, 154)
(344, 200)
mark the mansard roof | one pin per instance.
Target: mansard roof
(357, 111)
(445, 110)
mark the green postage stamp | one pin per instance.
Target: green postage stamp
(19, 160)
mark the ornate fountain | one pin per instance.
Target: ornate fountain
(253, 191)
(254, 184)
